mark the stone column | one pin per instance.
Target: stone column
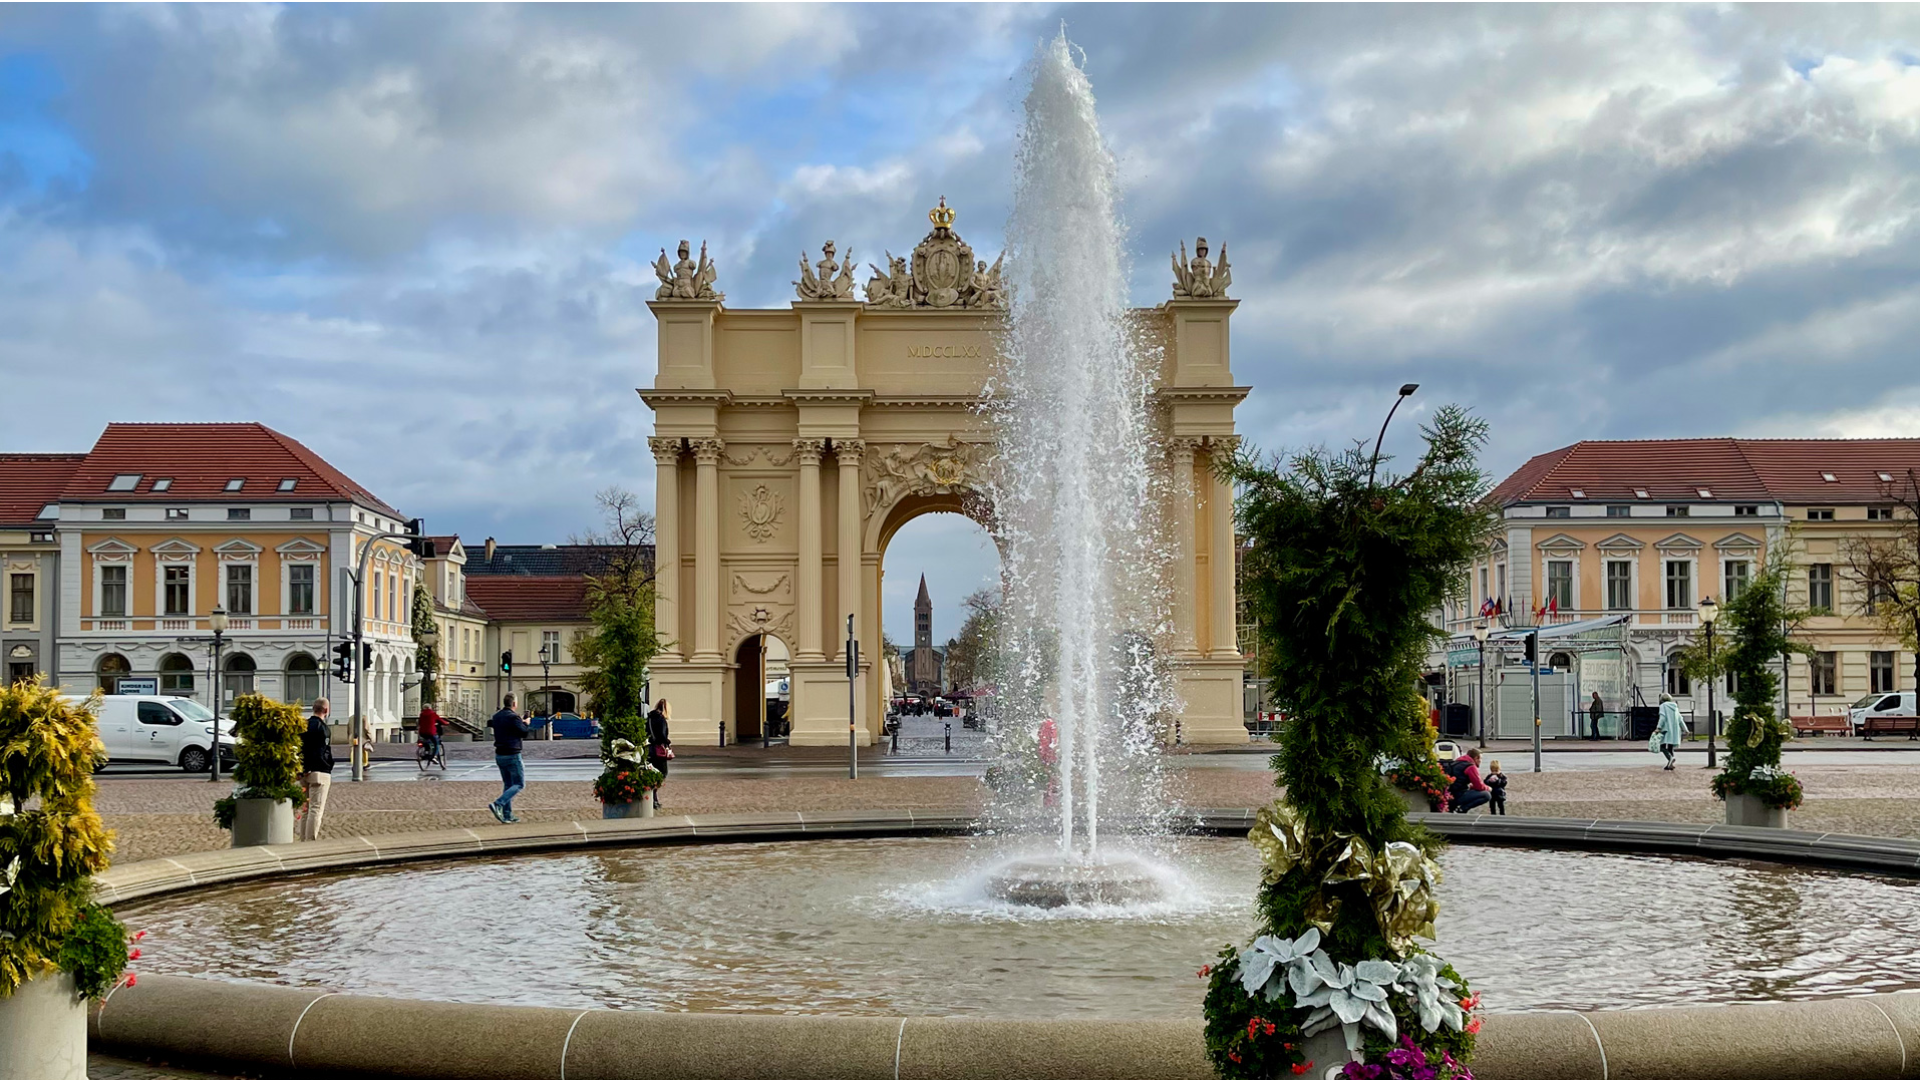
(666, 546)
(706, 549)
(1220, 554)
(848, 452)
(1186, 586)
(807, 598)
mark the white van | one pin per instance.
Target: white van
(1874, 706)
(170, 730)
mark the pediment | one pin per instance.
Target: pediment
(1737, 542)
(1679, 541)
(112, 547)
(1561, 542)
(300, 546)
(1620, 542)
(1498, 547)
(237, 547)
(176, 547)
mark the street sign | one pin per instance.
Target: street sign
(1462, 657)
(138, 686)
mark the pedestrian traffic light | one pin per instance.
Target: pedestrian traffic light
(506, 662)
(343, 661)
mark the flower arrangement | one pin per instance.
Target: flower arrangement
(1341, 568)
(628, 776)
(1772, 785)
(267, 759)
(49, 749)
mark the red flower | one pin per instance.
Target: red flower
(1253, 1026)
(1233, 1056)
(1299, 1070)
(134, 955)
(130, 978)
(139, 935)
(1473, 1026)
(1205, 970)
(1269, 1027)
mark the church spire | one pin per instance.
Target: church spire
(924, 601)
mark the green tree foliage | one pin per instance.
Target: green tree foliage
(426, 657)
(1756, 625)
(49, 850)
(267, 762)
(970, 653)
(614, 654)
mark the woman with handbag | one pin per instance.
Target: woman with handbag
(659, 743)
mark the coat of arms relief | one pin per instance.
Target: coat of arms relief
(942, 273)
(946, 468)
(760, 513)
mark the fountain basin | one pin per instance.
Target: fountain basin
(1056, 883)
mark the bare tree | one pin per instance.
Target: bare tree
(1885, 569)
(627, 536)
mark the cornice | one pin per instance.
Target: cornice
(828, 397)
(1176, 394)
(657, 398)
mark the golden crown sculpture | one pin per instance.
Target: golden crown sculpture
(941, 216)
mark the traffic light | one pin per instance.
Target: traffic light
(1533, 647)
(366, 656)
(343, 661)
(417, 541)
(506, 662)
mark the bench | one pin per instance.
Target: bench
(1820, 725)
(1890, 725)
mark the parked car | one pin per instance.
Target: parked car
(1898, 703)
(568, 725)
(173, 730)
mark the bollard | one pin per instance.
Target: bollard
(949, 737)
(723, 733)
(896, 736)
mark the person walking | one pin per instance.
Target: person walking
(1668, 733)
(316, 767)
(659, 743)
(1595, 712)
(508, 730)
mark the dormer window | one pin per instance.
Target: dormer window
(1705, 493)
(236, 483)
(1820, 514)
(126, 481)
(1639, 493)
(1578, 493)
(1829, 478)
(163, 483)
(49, 511)
(287, 484)
(1559, 511)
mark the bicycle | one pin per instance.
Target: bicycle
(435, 754)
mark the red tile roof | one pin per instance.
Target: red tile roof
(1674, 470)
(202, 458)
(28, 482)
(518, 598)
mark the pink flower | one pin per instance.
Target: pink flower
(1473, 1026)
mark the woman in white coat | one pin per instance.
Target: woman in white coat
(1668, 733)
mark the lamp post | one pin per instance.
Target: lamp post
(1406, 392)
(1709, 612)
(217, 621)
(428, 638)
(1480, 633)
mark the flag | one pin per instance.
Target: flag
(1487, 610)
(1553, 605)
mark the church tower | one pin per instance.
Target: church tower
(923, 618)
(924, 662)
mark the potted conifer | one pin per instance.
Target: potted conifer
(57, 946)
(266, 772)
(627, 779)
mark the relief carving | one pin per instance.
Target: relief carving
(746, 622)
(665, 451)
(760, 513)
(944, 273)
(707, 451)
(747, 583)
(948, 468)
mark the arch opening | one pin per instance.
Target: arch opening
(762, 688)
(939, 587)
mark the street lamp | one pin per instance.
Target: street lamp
(1480, 633)
(217, 620)
(546, 685)
(1406, 392)
(1709, 611)
(428, 638)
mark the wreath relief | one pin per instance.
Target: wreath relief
(760, 513)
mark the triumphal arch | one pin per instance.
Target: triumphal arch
(791, 444)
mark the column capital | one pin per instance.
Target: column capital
(810, 451)
(849, 451)
(1223, 445)
(1185, 445)
(707, 451)
(665, 451)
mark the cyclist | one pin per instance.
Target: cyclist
(429, 729)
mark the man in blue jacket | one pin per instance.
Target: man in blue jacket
(508, 730)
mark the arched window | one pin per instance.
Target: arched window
(112, 668)
(239, 676)
(176, 675)
(303, 679)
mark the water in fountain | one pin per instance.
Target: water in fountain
(1082, 566)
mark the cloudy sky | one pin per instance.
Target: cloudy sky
(416, 237)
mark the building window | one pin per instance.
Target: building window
(393, 597)
(1825, 514)
(1880, 672)
(1486, 593)
(1560, 583)
(299, 590)
(550, 644)
(239, 513)
(1746, 510)
(163, 483)
(288, 484)
(1820, 588)
(301, 513)
(178, 590)
(239, 676)
(1879, 513)
(112, 668)
(236, 483)
(176, 513)
(1559, 511)
(1736, 573)
(1679, 585)
(176, 675)
(1677, 682)
(20, 609)
(114, 513)
(239, 589)
(303, 680)
(1677, 511)
(1825, 669)
(1617, 510)
(124, 482)
(113, 592)
(1619, 585)
(1878, 592)
(1500, 585)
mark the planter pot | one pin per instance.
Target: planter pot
(1417, 803)
(262, 821)
(1328, 1052)
(1749, 810)
(43, 1026)
(641, 809)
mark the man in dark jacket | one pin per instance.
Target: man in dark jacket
(508, 730)
(1596, 711)
(316, 766)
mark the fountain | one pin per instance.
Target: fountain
(1074, 441)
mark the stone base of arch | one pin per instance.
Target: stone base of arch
(1213, 695)
(819, 708)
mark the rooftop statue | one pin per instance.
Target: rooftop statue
(686, 279)
(892, 288)
(944, 273)
(1199, 279)
(834, 280)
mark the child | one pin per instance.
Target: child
(1497, 780)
